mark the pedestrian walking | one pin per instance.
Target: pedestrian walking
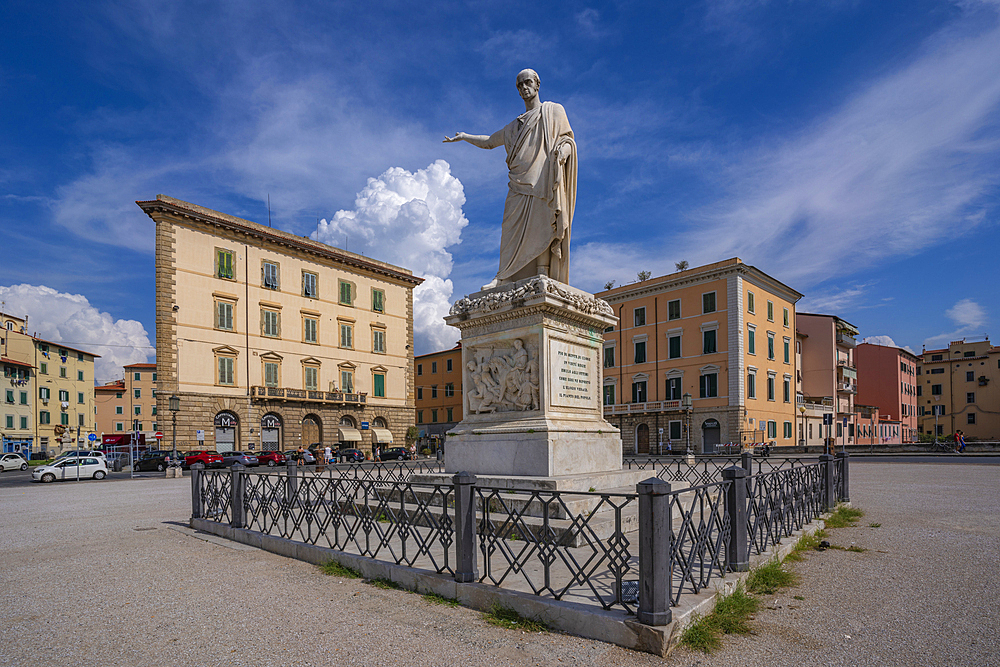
(961, 441)
(958, 434)
(300, 456)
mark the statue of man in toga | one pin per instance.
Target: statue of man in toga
(538, 213)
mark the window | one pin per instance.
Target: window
(79, 356)
(936, 357)
(751, 385)
(786, 348)
(64, 396)
(970, 418)
(270, 323)
(640, 352)
(269, 275)
(420, 416)
(640, 317)
(346, 293)
(137, 376)
(420, 369)
(10, 395)
(420, 393)
(970, 376)
(43, 393)
(24, 422)
(609, 357)
(449, 390)
(708, 302)
(434, 367)
(936, 371)
(970, 397)
(346, 336)
(64, 419)
(787, 430)
(609, 394)
(226, 368)
(451, 414)
(79, 376)
(62, 371)
(10, 421)
(272, 374)
(347, 381)
(309, 329)
(770, 387)
(24, 398)
(137, 393)
(118, 395)
(708, 342)
(119, 426)
(224, 315)
(935, 390)
(639, 391)
(784, 316)
(378, 385)
(310, 285)
(448, 367)
(708, 385)
(674, 309)
(79, 397)
(119, 410)
(44, 417)
(434, 416)
(772, 429)
(674, 347)
(137, 409)
(786, 390)
(154, 410)
(770, 311)
(675, 430)
(224, 263)
(378, 341)
(79, 420)
(310, 378)
(749, 302)
(770, 345)
(434, 391)
(673, 389)
(751, 341)
(378, 300)
(970, 354)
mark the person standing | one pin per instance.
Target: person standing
(300, 456)
(328, 455)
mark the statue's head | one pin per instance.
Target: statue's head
(528, 74)
(528, 83)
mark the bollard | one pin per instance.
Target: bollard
(843, 460)
(747, 462)
(655, 585)
(196, 490)
(236, 486)
(828, 492)
(465, 528)
(291, 482)
(738, 547)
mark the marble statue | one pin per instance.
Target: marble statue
(502, 382)
(541, 196)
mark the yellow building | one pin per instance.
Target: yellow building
(958, 389)
(17, 353)
(66, 414)
(721, 334)
(274, 340)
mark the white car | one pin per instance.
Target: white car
(88, 468)
(12, 462)
(75, 453)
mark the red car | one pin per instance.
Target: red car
(206, 458)
(271, 459)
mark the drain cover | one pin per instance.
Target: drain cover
(630, 591)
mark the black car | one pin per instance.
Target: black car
(394, 454)
(155, 460)
(352, 455)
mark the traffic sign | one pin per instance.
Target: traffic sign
(828, 419)
(92, 437)
(158, 435)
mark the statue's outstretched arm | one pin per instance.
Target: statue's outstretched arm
(480, 140)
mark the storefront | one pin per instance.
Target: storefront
(226, 428)
(270, 432)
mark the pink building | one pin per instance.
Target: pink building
(887, 380)
(827, 380)
(872, 428)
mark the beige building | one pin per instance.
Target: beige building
(111, 406)
(721, 334)
(958, 388)
(274, 340)
(828, 379)
(17, 353)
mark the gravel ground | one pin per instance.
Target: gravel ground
(107, 575)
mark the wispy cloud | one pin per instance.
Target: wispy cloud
(969, 318)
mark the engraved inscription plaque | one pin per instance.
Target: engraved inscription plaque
(573, 369)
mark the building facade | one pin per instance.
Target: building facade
(957, 389)
(112, 408)
(66, 415)
(17, 353)
(273, 340)
(439, 394)
(829, 378)
(887, 379)
(720, 335)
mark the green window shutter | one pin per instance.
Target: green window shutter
(379, 389)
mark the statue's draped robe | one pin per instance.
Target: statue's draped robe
(541, 195)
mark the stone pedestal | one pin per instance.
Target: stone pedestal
(532, 377)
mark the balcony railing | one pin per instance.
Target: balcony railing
(847, 340)
(649, 406)
(847, 388)
(307, 395)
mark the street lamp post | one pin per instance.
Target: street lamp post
(802, 412)
(936, 411)
(687, 403)
(175, 407)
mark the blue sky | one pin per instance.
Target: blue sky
(848, 148)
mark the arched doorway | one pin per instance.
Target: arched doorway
(270, 432)
(226, 426)
(642, 439)
(312, 431)
(711, 434)
(348, 434)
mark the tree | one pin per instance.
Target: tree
(682, 265)
(609, 285)
(644, 275)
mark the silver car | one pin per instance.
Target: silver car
(244, 459)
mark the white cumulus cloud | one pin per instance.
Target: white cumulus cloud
(70, 319)
(969, 318)
(409, 219)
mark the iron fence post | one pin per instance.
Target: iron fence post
(655, 584)
(738, 546)
(747, 462)
(236, 486)
(828, 492)
(465, 528)
(291, 482)
(843, 460)
(196, 490)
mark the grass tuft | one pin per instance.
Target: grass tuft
(386, 584)
(798, 597)
(701, 635)
(856, 549)
(874, 525)
(335, 569)
(844, 517)
(768, 578)
(503, 617)
(732, 615)
(434, 598)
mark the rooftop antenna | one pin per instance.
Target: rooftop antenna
(268, 209)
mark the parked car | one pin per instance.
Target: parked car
(77, 467)
(352, 455)
(204, 457)
(394, 454)
(271, 459)
(155, 460)
(12, 462)
(293, 454)
(114, 457)
(233, 457)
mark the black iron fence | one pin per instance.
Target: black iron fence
(636, 552)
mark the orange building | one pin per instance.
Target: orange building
(439, 394)
(133, 399)
(701, 357)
